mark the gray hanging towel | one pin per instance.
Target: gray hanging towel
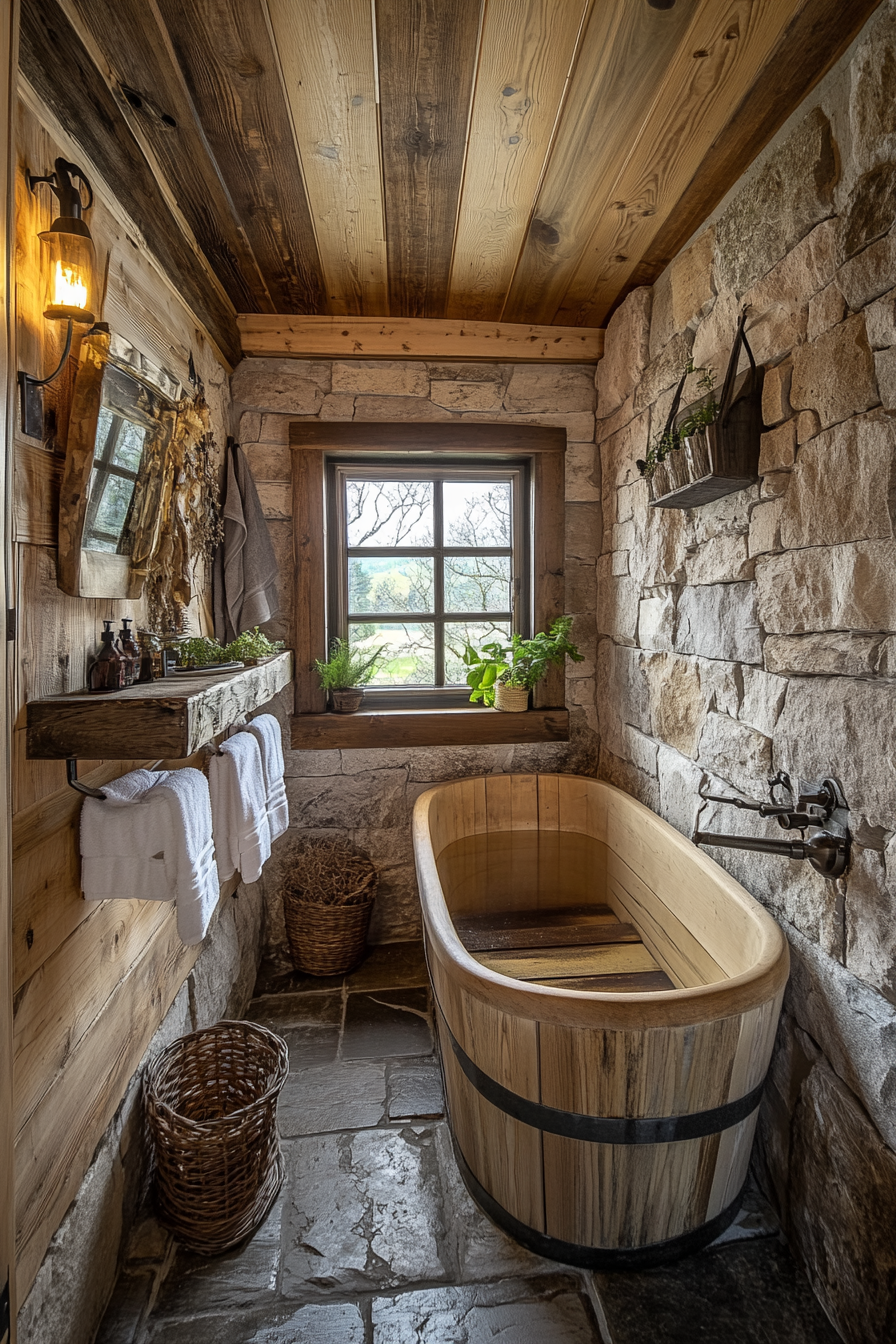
(245, 569)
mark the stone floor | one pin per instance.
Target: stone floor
(374, 1240)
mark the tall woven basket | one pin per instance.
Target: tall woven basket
(328, 896)
(211, 1107)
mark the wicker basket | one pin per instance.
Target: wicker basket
(211, 1106)
(514, 699)
(328, 897)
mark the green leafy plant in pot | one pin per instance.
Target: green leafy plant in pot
(502, 675)
(346, 672)
(692, 428)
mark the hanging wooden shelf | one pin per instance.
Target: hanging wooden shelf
(162, 720)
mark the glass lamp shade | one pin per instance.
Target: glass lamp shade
(69, 268)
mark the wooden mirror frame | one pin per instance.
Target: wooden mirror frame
(98, 573)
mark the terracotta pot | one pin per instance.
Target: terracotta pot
(514, 699)
(347, 701)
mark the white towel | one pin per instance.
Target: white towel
(124, 839)
(191, 853)
(239, 808)
(266, 728)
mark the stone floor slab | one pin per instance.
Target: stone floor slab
(391, 966)
(743, 1293)
(244, 1277)
(387, 1024)
(548, 1311)
(317, 1323)
(363, 1212)
(339, 1096)
(311, 1024)
(414, 1088)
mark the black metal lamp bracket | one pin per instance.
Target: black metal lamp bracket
(32, 403)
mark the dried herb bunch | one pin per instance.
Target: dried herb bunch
(183, 525)
(329, 872)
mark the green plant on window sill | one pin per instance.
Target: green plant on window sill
(521, 664)
(347, 668)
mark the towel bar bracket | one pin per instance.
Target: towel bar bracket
(71, 778)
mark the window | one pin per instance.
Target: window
(420, 536)
(425, 559)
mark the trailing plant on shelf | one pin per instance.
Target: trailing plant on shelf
(519, 665)
(704, 412)
(346, 672)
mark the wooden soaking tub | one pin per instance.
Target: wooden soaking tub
(606, 998)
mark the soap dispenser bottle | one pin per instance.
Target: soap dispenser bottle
(107, 670)
(129, 651)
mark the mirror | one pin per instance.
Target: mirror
(123, 415)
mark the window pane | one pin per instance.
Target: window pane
(390, 584)
(409, 658)
(477, 583)
(389, 513)
(129, 449)
(111, 513)
(460, 633)
(477, 513)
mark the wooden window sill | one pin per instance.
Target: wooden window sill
(469, 726)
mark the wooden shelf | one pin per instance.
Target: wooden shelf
(463, 727)
(166, 719)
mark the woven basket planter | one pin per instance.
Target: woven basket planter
(211, 1107)
(514, 699)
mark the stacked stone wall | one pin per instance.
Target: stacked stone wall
(368, 795)
(758, 633)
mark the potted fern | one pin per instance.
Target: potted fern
(501, 675)
(345, 674)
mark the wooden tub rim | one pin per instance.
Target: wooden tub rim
(730, 997)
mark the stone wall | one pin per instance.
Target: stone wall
(368, 795)
(78, 1273)
(759, 632)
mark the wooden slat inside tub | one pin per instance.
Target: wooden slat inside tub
(563, 927)
(558, 963)
(640, 982)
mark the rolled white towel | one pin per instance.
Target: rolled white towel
(191, 856)
(239, 808)
(266, 728)
(124, 841)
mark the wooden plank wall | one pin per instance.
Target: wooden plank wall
(92, 982)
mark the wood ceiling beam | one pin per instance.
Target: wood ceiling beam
(226, 54)
(814, 41)
(713, 69)
(625, 50)
(416, 338)
(56, 64)
(329, 77)
(427, 54)
(527, 52)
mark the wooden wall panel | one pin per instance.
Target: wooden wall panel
(329, 76)
(225, 51)
(528, 47)
(428, 51)
(92, 981)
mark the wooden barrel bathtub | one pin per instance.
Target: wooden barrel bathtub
(606, 1030)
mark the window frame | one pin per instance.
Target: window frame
(313, 444)
(340, 467)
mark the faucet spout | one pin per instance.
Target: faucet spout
(827, 852)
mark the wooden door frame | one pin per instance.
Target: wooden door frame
(9, 22)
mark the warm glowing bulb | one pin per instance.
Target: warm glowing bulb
(69, 289)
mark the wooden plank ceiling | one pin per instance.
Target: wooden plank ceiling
(514, 161)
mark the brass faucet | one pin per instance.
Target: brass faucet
(821, 806)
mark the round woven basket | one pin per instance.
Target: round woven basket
(512, 698)
(328, 895)
(211, 1107)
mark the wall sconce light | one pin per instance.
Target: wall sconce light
(68, 265)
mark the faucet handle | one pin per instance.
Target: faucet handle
(750, 805)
